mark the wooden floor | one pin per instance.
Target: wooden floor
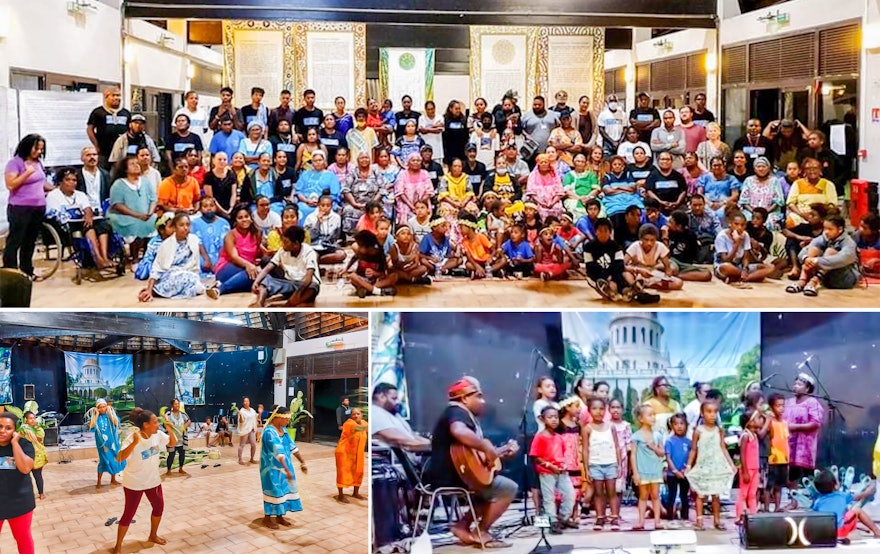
(216, 510)
(60, 292)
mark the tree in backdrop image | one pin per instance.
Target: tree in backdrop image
(629, 349)
(94, 376)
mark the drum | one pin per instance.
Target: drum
(387, 522)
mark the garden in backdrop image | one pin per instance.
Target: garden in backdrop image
(92, 376)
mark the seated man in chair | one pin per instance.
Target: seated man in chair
(387, 427)
(459, 425)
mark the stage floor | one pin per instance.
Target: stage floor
(213, 510)
(60, 292)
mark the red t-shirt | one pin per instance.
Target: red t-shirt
(568, 235)
(548, 449)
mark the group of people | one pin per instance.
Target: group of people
(276, 196)
(586, 453)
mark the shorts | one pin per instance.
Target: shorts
(501, 489)
(603, 472)
(684, 267)
(777, 475)
(850, 522)
(844, 278)
(284, 288)
(797, 473)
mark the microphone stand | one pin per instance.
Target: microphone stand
(526, 520)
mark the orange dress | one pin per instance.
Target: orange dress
(350, 455)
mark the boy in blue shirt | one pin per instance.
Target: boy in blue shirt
(436, 250)
(832, 500)
(518, 253)
(586, 224)
(678, 448)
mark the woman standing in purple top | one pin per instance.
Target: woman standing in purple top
(25, 180)
(804, 415)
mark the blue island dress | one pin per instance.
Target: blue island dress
(107, 442)
(279, 495)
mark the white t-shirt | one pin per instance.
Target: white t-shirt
(295, 267)
(434, 139)
(57, 201)
(626, 150)
(248, 417)
(613, 122)
(272, 220)
(692, 412)
(647, 259)
(381, 420)
(487, 146)
(142, 470)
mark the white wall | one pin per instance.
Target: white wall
(803, 14)
(292, 347)
(43, 36)
(452, 87)
(869, 131)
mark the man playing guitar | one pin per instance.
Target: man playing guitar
(457, 428)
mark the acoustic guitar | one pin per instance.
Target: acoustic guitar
(473, 467)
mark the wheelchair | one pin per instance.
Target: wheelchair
(73, 239)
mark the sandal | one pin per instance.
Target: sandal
(494, 543)
(638, 528)
(615, 524)
(600, 524)
(698, 526)
(720, 526)
(796, 288)
(810, 290)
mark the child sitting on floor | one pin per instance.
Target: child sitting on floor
(371, 275)
(325, 227)
(868, 235)
(406, 259)
(628, 232)
(604, 261)
(420, 223)
(478, 251)
(760, 237)
(733, 254)
(587, 224)
(383, 234)
(846, 507)
(683, 249)
(368, 221)
(649, 258)
(531, 222)
(569, 234)
(552, 261)
(830, 259)
(654, 216)
(497, 223)
(548, 452)
(437, 252)
(519, 257)
(802, 234)
(299, 263)
(163, 231)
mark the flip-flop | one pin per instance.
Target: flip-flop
(217, 465)
(110, 522)
(204, 466)
(637, 528)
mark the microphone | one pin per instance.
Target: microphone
(545, 358)
(767, 379)
(147, 389)
(805, 362)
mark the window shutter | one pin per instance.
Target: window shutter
(764, 60)
(797, 56)
(643, 77)
(669, 74)
(620, 80)
(696, 71)
(733, 65)
(839, 50)
(609, 82)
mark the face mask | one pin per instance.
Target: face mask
(501, 171)
(210, 216)
(613, 106)
(360, 125)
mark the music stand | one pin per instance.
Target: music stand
(63, 449)
(542, 523)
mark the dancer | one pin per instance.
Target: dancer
(179, 422)
(350, 455)
(141, 475)
(247, 429)
(647, 465)
(16, 490)
(710, 470)
(280, 493)
(35, 434)
(805, 415)
(105, 425)
(750, 469)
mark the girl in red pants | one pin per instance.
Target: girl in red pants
(141, 475)
(750, 468)
(551, 259)
(16, 490)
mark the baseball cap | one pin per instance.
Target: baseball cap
(138, 117)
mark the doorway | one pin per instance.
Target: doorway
(765, 104)
(325, 396)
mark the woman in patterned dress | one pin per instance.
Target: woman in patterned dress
(280, 493)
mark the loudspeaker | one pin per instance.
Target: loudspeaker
(15, 289)
(29, 392)
(51, 438)
(789, 530)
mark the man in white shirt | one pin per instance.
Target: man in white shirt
(611, 122)
(386, 425)
(198, 117)
(247, 429)
(92, 179)
(692, 410)
(302, 278)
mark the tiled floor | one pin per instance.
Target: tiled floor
(59, 291)
(214, 510)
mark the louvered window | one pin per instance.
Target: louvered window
(609, 82)
(696, 71)
(615, 81)
(643, 77)
(839, 50)
(733, 65)
(783, 58)
(669, 74)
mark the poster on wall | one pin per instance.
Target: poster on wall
(570, 65)
(386, 355)
(330, 66)
(5, 376)
(189, 382)
(407, 71)
(503, 66)
(258, 62)
(628, 350)
(93, 376)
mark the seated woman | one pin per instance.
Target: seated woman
(307, 149)
(285, 180)
(175, 271)
(566, 139)
(254, 145)
(405, 261)
(240, 170)
(325, 227)
(342, 165)
(581, 185)
(223, 432)
(812, 188)
(561, 167)
(830, 259)
(544, 187)
(762, 190)
(631, 140)
(237, 267)
(620, 192)
(221, 184)
(261, 181)
(691, 171)
(179, 192)
(407, 144)
(413, 184)
(363, 185)
(163, 231)
(389, 171)
(196, 169)
(868, 235)
(72, 208)
(454, 194)
(720, 189)
(132, 207)
(315, 183)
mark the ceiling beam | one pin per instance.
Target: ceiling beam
(182, 345)
(21, 332)
(107, 342)
(138, 324)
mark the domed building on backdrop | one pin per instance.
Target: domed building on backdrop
(89, 379)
